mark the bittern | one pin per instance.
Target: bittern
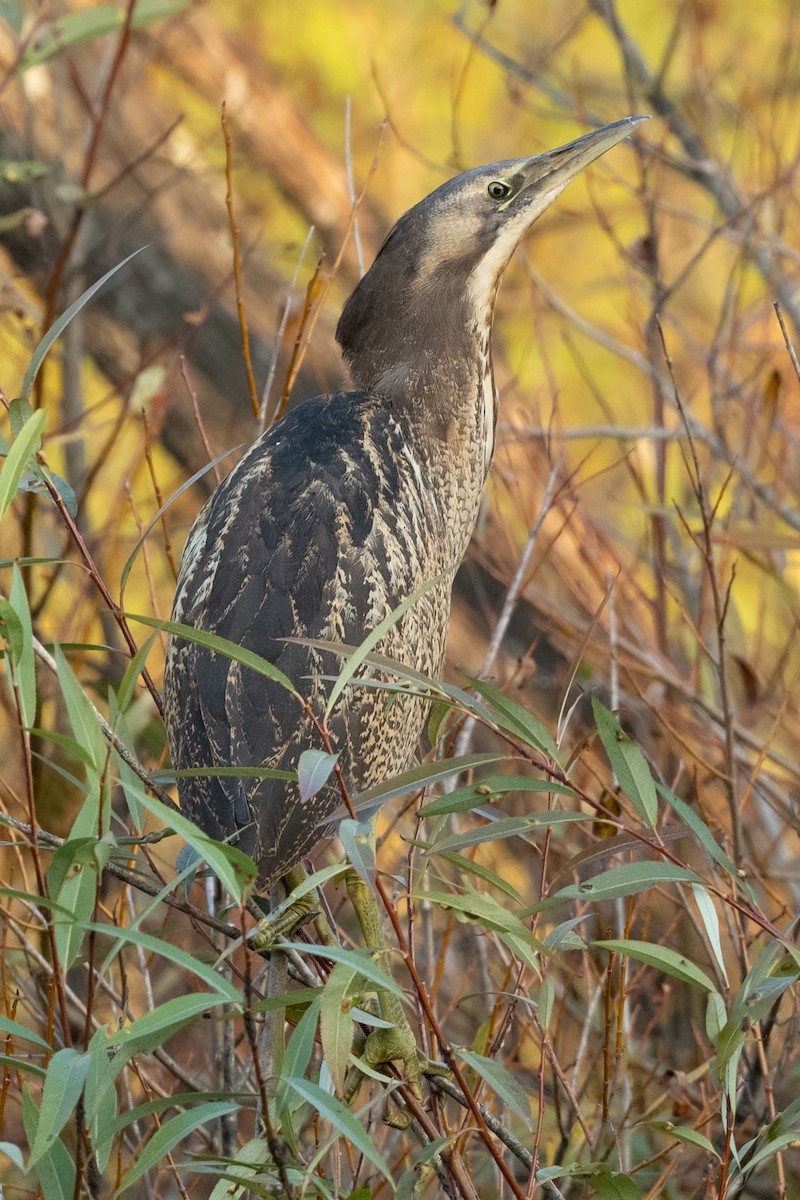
(345, 508)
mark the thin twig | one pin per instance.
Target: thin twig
(237, 264)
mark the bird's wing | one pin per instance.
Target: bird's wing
(318, 533)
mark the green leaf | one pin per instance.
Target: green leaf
(663, 959)
(505, 827)
(358, 843)
(296, 1058)
(710, 919)
(336, 1020)
(170, 1134)
(487, 791)
(249, 1161)
(77, 893)
(15, 1030)
(468, 866)
(314, 769)
(235, 870)
(25, 444)
(219, 645)
(341, 1118)
(419, 777)
(58, 327)
(500, 1080)
(178, 957)
(355, 660)
(628, 763)
(512, 718)
(706, 839)
(26, 664)
(82, 716)
(545, 1002)
(86, 25)
(22, 1064)
(681, 1134)
(360, 961)
(14, 1153)
(153, 1028)
(626, 880)
(615, 1187)
(66, 1073)
(56, 1168)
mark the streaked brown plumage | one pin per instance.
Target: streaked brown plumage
(347, 506)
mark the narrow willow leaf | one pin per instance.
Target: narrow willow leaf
(342, 1119)
(775, 1146)
(82, 716)
(681, 1134)
(56, 1168)
(628, 763)
(704, 835)
(371, 641)
(219, 645)
(626, 880)
(360, 961)
(25, 660)
(14, 1153)
(178, 957)
(15, 1030)
(314, 769)
(58, 326)
(22, 1064)
(153, 1028)
(86, 25)
(486, 791)
(500, 1080)
(500, 828)
(297, 1056)
(615, 1187)
(711, 922)
(468, 866)
(16, 461)
(336, 1020)
(170, 1134)
(478, 906)
(250, 1160)
(419, 777)
(78, 894)
(513, 718)
(66, 1073)
(716, 1016)
(235, 870)
(660, 957)
(358, 843)
(545, 1002)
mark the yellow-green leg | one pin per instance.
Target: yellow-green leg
(397, 1044)
(282, 924)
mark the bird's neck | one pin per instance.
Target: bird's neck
(444, 394)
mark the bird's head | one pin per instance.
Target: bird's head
(434, 279)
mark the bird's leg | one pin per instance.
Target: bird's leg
(281, 924)
(397, 1044)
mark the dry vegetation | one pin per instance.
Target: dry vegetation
(639, 553)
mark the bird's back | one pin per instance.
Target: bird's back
(322, 529)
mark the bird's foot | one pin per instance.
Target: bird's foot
(396, 1044)
(289, 912)
(282, 923)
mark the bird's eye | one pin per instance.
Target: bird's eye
(498, 190)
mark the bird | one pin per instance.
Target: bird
(349, 507)
(346, 507)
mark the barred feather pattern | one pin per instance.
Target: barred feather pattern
(334, 517)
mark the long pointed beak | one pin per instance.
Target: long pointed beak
(556, 168)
